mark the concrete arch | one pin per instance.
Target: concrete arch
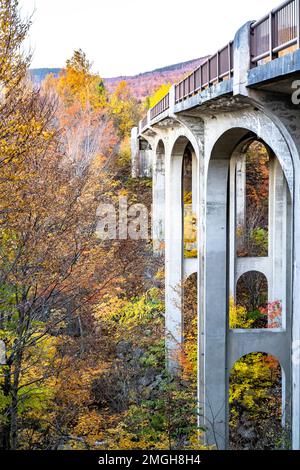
(268, 348)
(190, 268)
(249, 272)
(159, 147)
(233, 128)
(143, 161)
(282, 123)
(248, 278)
(159, 150)
(260, 268)
(180, 138)
(146, 142)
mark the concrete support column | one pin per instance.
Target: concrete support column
(234, 181)
(216, 306)
(174, 259)
(145, 159)
(278, 237)
(195, 183)
(158, 208)
(135, 152)
(296, 317)
(241, 197)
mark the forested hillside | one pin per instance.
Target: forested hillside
(141, 85)
(145, 84)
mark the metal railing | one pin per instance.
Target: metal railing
(160, 107)
(215, 69)
(275, 32)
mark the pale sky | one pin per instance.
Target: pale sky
(125, 37)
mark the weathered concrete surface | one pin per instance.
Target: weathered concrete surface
(211, 93)
(242, 58)
(275, 71)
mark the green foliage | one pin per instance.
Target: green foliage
(36, 390)
(130, 314)
(4, 400)
(155, 355)
(167, 421)
(251, 379)
(259, 238)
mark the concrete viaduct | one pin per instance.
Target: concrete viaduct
(247, 92)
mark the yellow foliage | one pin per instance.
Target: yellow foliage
(125, 152)
(78, 84)
(124, 109)
(90, 427)
(250, 382)
(238, 316)
(190, 233)
(162, 91)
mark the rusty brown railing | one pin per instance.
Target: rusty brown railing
(160, 107)
(275, 32)
(213, 70)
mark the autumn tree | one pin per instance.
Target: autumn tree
(86, 130)
(22, 123)
(47, 219)
(124, 109)
(78, 84)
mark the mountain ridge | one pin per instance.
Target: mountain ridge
(141, 85)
